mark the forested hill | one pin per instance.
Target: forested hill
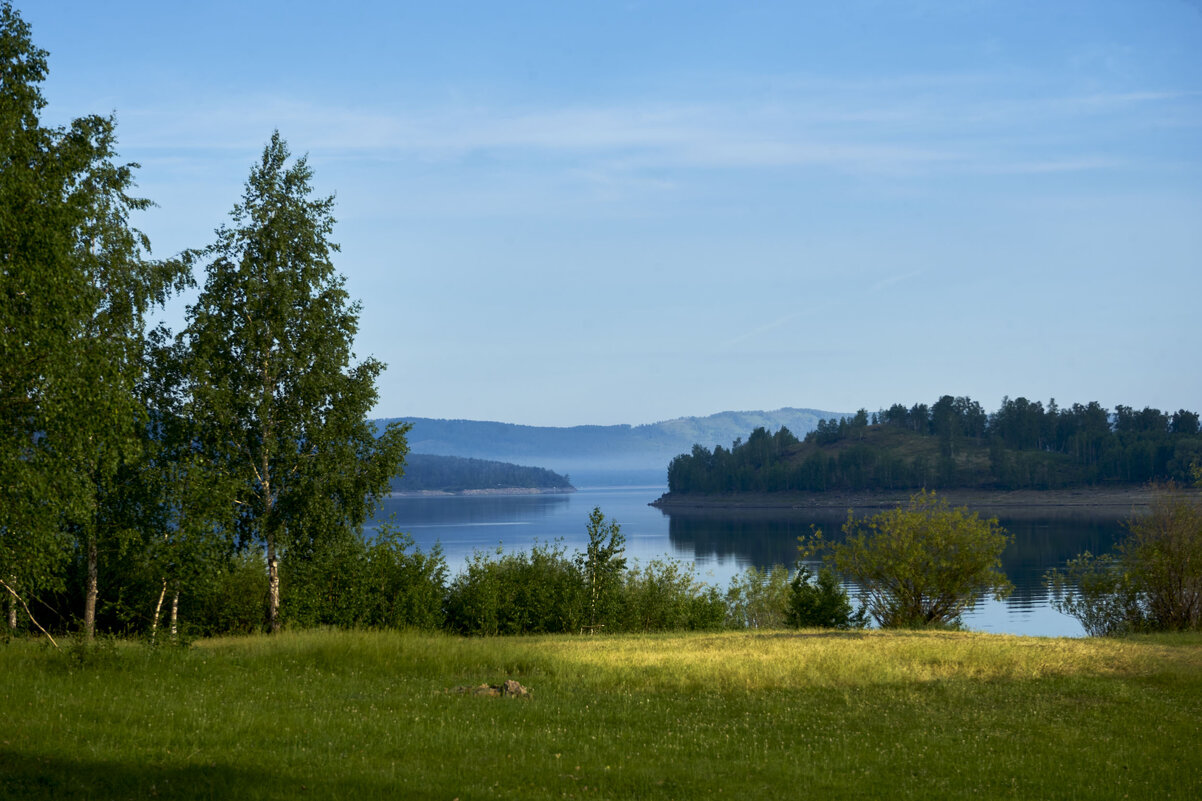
(582, 448)
(425, 472)
(954, 444)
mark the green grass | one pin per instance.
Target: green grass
(779, 714)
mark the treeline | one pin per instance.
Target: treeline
(954, 443)
(387, 583)
(426, 472)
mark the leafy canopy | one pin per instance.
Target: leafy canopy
(919, 565)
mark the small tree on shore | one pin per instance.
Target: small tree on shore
(1153, 580)
(919, 565)
(602, 565)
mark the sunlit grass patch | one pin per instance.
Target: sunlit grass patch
(328, 714)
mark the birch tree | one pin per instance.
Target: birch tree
(75, 286)
(276, 393)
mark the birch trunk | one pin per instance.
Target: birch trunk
(273, 587)
(158, 608)
(175, 614)
(89, 606)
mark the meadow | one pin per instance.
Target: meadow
(334, 714)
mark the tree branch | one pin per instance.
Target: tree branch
(27, 612)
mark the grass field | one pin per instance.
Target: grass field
(326, 714)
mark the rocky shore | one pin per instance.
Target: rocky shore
(1120, 502)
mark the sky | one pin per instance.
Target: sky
(565, 213)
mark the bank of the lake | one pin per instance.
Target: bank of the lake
(325, 714)
(1107, 502)
(500, 492)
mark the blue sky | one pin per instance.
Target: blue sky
(559, 213)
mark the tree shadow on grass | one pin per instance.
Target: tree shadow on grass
(27, 776)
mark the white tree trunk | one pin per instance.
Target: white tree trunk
(89, 606)
(158, 608)
(273, 587)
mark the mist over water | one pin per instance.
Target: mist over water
(723, 543)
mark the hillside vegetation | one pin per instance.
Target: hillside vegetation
(951, 445)
(428, 473)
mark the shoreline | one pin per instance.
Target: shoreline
(1084, 501)
(493, 491)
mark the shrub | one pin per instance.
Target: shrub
(1099, 592)
(665, 595)
(524, 593)
(235, 602)
(324, 583)
(758, 599)
(1164, 556)
(1153, 581)
(922, 565)
(405, 588)
(821, 603)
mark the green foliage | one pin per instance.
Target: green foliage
(1152, 582)
(1164, 555)
(455, 474)
(921, 565)
(274, 393)
(347, 583)
(541, 591)
(234, 602)
(664, 595)
(953, 443)
(1099, 592)
(405, 587)
(821, 603)
(758, 599)
(601, 567)
(74, 292)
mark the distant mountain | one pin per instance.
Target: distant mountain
(428, 473)
(600, 454)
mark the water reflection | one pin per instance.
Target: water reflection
(764, 538)
(723, 542)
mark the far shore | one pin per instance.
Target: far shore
(492, 491)
(1116, 502)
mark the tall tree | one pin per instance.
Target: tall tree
(275, 393)
(74, 289)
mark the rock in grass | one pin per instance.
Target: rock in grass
(508, 688)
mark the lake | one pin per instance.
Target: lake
(722, 543)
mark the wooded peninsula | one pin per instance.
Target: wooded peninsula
(426, 473)
(953, 445)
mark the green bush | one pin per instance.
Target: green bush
(1099, 592)
(758, 599)
(664, 595)
(821, 603)
(404, 587)
(921, 565)
(325, 583)
(1153, 580)
(523, 593)
(235, 602)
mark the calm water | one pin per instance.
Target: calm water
(723, 544)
